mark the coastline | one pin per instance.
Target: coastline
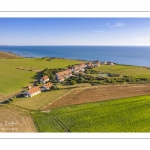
(128, 55)
(9, 55)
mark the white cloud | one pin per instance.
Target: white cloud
(108, 24)
(118, 24)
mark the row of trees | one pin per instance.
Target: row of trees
(99, 80)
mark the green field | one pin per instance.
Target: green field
(125, 70)
(12, 78)
(121, 115)
(40, 100)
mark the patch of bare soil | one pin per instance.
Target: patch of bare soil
(100, 93)
(12, 120)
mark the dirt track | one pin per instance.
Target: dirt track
(101, 93)
(12, 120)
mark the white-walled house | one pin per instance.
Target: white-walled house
(47, 86)
(64, 74)
(96, 63)
(110, 63)
(32, 92)
(44, 79)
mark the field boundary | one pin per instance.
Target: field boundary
(42, 108)
(98, 93)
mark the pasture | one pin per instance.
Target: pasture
(16, 73)
(120, 115)
(125, 70)
(40, 100)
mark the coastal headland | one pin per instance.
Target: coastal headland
(8, 55)
(96, 84)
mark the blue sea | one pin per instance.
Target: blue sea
(129, 55)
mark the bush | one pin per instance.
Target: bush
(72, 82)
(55, 88)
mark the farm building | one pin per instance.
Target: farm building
(32, 92)
(44, 79)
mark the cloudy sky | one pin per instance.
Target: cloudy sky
(75, 31)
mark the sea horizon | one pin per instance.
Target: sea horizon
(127, 55)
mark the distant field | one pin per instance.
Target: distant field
(121, 115)
(15, 74)
(134, 71)
(100, 93)
(39, 100)
(12, 120)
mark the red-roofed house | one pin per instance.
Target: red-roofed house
(96, 63)
(64, 74)
(78, 68)
(47, 86)
(32, 92)
(90, 65)
(44, 79)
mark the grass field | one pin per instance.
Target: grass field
(40, 100)
(121, 115)
(13, 79)
(125, 70)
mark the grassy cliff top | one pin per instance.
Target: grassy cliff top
(8, 55)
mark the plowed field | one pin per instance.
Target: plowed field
(101, 93)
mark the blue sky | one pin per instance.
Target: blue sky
(75, 31)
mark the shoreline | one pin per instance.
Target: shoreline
(4, 54)
(20, 56)
(15, 55)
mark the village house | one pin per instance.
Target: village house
(83, 65)
(104, 62)
(78, 68)
(64, 74)
(44, 79)
(90, 65)
(110, 63)
(47, 86)
(75, 68)
(96, 63)
(32, 92)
